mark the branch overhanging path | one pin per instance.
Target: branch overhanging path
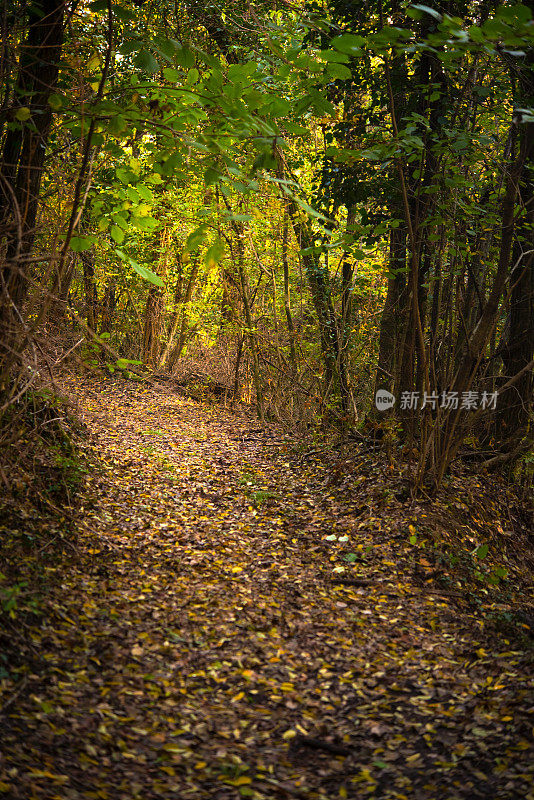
(203, 645)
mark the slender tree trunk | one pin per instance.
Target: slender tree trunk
(393, 315)
(91, 294)
(240, 259)
(109, 304)
(181, 321)
(287, 295)
(155, 309)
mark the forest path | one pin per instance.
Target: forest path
(199, 646)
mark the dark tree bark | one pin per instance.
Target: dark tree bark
(22, 159)
(391, 322)
(21, 166)
(515, 404)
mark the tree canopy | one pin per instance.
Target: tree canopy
(318, 201)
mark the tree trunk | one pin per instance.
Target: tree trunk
(180, 321)
(240, 258)
(516, 402)
(109, 304)
(21, 164)
(287, 296)
(89, 284)
(393, 315)
(155, 309)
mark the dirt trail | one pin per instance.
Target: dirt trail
(199, 645)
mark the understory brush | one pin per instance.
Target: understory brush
(42, 470)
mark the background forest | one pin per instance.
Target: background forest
(301, 203)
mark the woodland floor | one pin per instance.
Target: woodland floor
(244, 615)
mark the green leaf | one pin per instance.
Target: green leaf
(144, 223)
(124, 363)
(172, 75)
(214, 253)
(185, 58)
(117, 234)
(515, 14)
(297, 130)
(146, 61)
(192, 76)
(279, 107)
(171, 164)
(211, 176)
(339, 71)
(413, 538)
(55, 101)
(348, 43)
(144, 192)
(133, 194)
(428, 10)
(125, 175)
(144, 272)
(482, 551)
(23, 114)
(124, 14)
(80, 243)
(195, 239)
(331, 55)
(130, 46)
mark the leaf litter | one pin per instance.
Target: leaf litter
(250, 616)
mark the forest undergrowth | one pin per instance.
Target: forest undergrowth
(222, 609)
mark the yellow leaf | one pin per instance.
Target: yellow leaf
(22, 114)
(243, 780)
(237, 569)
(201, 764)
(236, 698)
(172, 748)
(290, 734)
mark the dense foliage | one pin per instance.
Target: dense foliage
(309, 202)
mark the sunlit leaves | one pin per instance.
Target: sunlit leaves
(214, 253)
(195, 238)
(80, 243)
(117, 234)
(141, 270)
